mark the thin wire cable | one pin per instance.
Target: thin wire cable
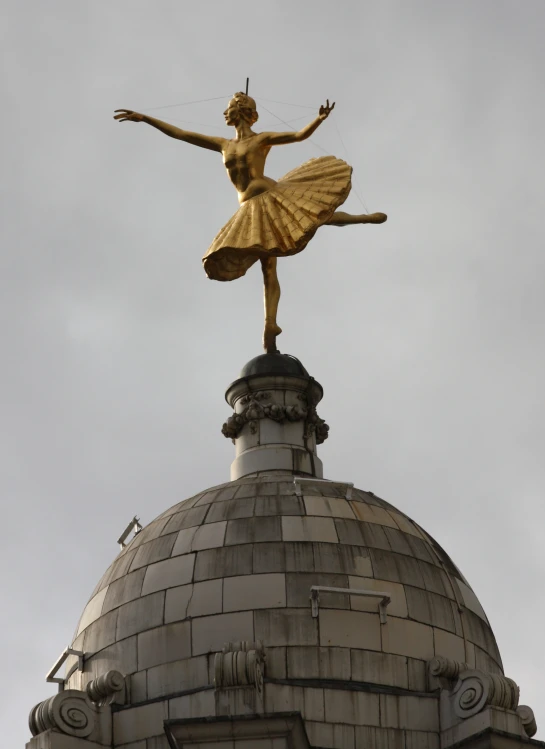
(357, 187)
(292, 128)
(273, 101)
(184, 103)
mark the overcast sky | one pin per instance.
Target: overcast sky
(426, 332)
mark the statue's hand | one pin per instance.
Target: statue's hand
(325, 110)
(127, 115)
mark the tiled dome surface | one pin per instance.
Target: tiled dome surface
(237, 562)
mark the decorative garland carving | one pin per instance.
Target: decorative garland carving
(68, 712)
(240, 664)
(256, 406)
(75, 712)
(526, 714)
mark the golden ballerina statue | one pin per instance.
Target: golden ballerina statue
(275, 219)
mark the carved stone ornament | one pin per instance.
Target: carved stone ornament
(260, 405)
(240, 664)
(476, 690)
(74, 712)
(526, 714)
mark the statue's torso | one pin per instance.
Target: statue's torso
(245, 164)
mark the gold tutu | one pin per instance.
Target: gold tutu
(280, 221)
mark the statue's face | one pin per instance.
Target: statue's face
(232, 113)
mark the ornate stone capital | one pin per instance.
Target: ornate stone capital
(74, 712)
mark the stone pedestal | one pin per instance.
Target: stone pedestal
(275, 426)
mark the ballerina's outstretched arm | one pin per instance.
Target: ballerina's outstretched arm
(196, 139)
(279, 139)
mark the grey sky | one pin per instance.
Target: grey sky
(426, 332)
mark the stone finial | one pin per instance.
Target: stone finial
(240, 664)
(526, 714)
(446, 668)
(104, 687)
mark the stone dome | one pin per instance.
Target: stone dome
(237, 562)
(281, 593)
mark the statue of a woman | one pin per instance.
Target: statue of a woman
(275, 219)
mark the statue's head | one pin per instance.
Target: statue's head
(241, 106)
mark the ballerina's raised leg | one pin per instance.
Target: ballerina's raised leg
(271, 298)
(340, 218)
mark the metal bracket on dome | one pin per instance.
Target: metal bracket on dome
(315, 591)
(298, 480)
(135, 526)
(51, 674)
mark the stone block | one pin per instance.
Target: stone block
(434, 579)
(206, 599)
(232, 510)
(418, 675)
(405, 524)
(282, 698)
(379, 738)
(337, 558)
(197, 705)
(318, 663)
(254, 592)
(399, 542)
(396, 567)
(154, 551)
(209, 536)
(349, 532)
(143, 613)
(100, 633)
(121, 656)
(210, 633)
(176, 603)
(253, 530)
(449, 645)
(124, 590)
(151, 531)
(405, 637)
(187, 519)
(276, 664)
(379, 668)
(93, 610)
(171, 642)
(223, 562)
(138, 723)
(374, 536)
(299, 584)
(138, 687)
(309, 529)
(470, 599)
(120, 567)
(422, 550)
(372, 514)
(168, 574)
(349, 629)
(410, 713)
(328, 507)
(429, 608)
(421, 740)
(397, 605)
(278, 506)
(177, 676)
(353, 708)
(334, 735)
(184, 541)
(277, 627)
